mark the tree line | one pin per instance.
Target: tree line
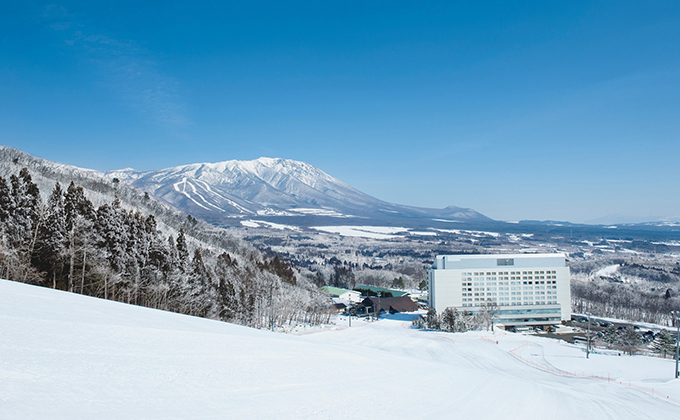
(121, 254)
(453, 320)
(615, 301)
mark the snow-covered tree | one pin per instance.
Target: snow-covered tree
(629, 340)
(432, 320)
(664, 343)
(121, 254)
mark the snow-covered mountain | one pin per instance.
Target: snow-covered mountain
(270, 187)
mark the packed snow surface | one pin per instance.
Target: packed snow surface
(66, 356)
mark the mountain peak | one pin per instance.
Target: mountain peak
(268, 186)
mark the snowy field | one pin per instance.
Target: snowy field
(374, 232)
(66, 356)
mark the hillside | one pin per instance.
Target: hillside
(72, 229)
(76, 357)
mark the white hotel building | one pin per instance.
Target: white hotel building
(530, 289)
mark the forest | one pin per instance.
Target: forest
(118, 253)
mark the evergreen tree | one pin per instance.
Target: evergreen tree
(432, 320)
(629, 340)
(51, 244)
(6, 204)
(182, 251)
(80, 218)
(172, 252)
(24, 211)
(227, 299)
(198, 276)
(449, 320)
(23, 215)
(198, 291)
(610, 336)
(76, 205)
(112, 234)
(664, 343)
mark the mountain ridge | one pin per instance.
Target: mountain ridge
(270, 187)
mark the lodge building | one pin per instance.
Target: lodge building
(529, 289)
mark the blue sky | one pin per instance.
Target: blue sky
(520, 110)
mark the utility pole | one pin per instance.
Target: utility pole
(588, 344)
(676, 319)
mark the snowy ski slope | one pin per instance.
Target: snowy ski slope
(66, 356)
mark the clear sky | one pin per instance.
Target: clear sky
(521, 110)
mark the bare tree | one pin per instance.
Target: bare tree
(488, 312)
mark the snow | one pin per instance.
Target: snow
(475, 233)
(318, 212)
(258, 223)
(272, 212)
(66, 356)
(375, 232)
(667, 243)
(607, 271)
(423, 233)
(183, 190)
(279, 226)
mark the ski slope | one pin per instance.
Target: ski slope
(66, 356)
